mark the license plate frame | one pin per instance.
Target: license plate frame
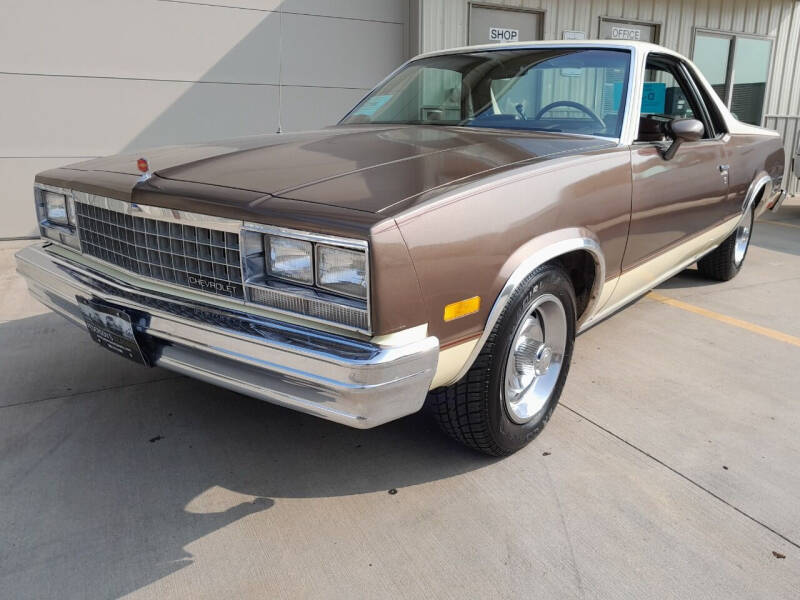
(113, 329)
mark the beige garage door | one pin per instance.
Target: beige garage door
(135, 74)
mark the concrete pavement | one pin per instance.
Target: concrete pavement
(669, 471)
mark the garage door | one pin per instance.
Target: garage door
(177, 72)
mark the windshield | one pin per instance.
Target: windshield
(569, 90)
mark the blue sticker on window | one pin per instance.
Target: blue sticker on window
(617, 96)
(654, 98)
(371, 106)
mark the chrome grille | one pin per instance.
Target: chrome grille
(195, 257)
(324, 310)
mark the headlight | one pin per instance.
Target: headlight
(290, 259)
(56, 208)
(342, 271)
(322, 277)
(56, 213)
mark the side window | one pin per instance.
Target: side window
(711, 108)
(666, 95)
(663, 94)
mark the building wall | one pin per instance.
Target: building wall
(444, 24)
(84, 78)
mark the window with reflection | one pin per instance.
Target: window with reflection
(569, 90)
(737, 67)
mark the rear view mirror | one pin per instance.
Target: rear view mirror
(682, 130)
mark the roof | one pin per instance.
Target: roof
(643, 47)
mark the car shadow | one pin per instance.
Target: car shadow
(688, 278)
(108, 489)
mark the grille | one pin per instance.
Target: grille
(319, 309)
(195, 257)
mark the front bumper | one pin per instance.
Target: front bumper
(352, 382)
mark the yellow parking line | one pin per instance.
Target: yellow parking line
(781, 223)
(765, 331)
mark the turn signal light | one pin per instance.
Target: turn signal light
(462, 308)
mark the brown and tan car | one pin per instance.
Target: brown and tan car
(445, 241)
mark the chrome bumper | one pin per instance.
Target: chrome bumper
(352, 382)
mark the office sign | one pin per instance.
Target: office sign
(626, 33)
(611, 29)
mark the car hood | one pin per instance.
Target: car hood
(367, 168)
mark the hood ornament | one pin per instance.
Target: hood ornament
(142, 165)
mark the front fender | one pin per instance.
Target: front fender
(527, 259)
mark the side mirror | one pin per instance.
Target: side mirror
(682, 130)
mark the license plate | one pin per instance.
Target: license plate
(112, 328)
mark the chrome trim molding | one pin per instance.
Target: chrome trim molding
(356, 383)
(307, 236)
(160, 214)
(527, 266)
(761, 182)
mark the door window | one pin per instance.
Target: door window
(663, 94)
(666, 95)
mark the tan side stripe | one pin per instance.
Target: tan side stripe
(765, 331)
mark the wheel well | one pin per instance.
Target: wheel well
(580, 267)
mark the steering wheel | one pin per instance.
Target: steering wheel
(584, 109)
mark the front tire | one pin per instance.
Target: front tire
(726, 260)
(506, 398)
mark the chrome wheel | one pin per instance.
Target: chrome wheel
(535, 359)
(743, 232)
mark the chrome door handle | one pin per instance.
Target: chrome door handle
(723, 171)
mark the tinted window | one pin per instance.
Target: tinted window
(750, 70)
(552, 89)
(711, 56)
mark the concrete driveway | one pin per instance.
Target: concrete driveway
(670, 470)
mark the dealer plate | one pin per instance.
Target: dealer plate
(112, 328)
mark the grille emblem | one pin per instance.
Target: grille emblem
(144, 167)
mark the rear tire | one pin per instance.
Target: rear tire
(725, 262)
(506, 398)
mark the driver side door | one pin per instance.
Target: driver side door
(674, 201)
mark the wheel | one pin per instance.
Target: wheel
(726, 260)
(509, 393)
